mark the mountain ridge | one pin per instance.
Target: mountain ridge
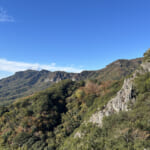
(25, 83)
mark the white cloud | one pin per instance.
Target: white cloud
(13, 66)
(4, 17)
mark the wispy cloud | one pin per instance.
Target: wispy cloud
(4, 17)
(13, 66)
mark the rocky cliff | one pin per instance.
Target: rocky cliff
(118, 103)
(123, 98)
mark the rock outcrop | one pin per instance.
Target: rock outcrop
(121, 101)
(146, 66)
(116, 104)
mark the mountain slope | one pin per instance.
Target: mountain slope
(30, 121)
(28, 82)
(123, 123)
(59, 118)
(44, 120)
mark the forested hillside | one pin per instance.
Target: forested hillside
(90, 114)
(46, 119)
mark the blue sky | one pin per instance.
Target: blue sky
(71, 35)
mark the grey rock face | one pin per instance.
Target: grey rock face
(116, 104)
(121, 100)
(146, 66)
